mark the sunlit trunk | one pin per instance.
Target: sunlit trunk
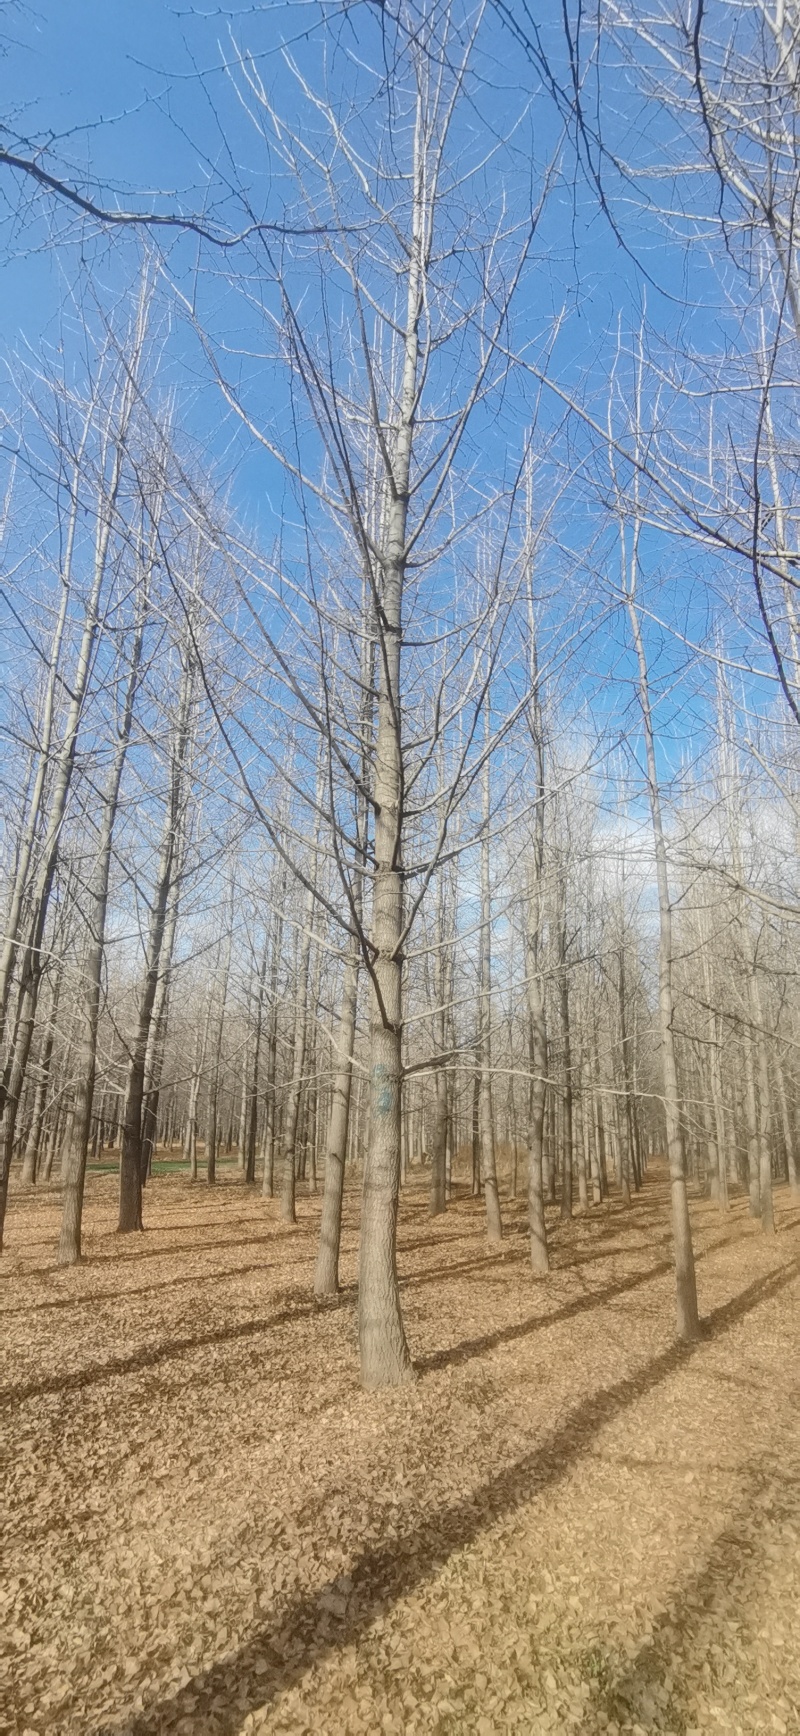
(130, 1178)
(688, 1322)
(494, 1222)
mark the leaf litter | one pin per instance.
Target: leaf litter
(569, 1523)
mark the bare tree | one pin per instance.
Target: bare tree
(118, 380)
(534, 928)
(381, 463)
(168, 871)
(69, 1249)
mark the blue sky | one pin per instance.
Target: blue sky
(137, 104)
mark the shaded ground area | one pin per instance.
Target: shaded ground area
(569, 1523)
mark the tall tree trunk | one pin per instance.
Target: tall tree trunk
(326, 1274)
(30, 1158)
(200, 1048)
(566, 1045)
(244, 1092)
(715, 1081)
(130, 1173)
(292, 1109)
(312, 1092)
(751, 1114)
(37, 897)
(764, 1153)
(688, 1321)
(69, 1246)
(271, 1119)
(20, 882)
(792, 1175)
(53, 1141)
(385, 1359)
(475, 1130)
(217, 1027)
(157, 1035)
(438, 1193)
(717, 1099)
(255, 1065)
(629, 1166)
(494, 1222)
(535, 907)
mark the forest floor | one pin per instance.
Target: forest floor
(569, 1522)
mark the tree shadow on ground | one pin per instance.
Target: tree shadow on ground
(305, 1630)
(119, 1258)
(93, 1297)
(302, 1308)
(472, 1347)
(591, 1298)
(406, 1245)
(76, 1380)
(648, 1691)
(483, 1263)
(749, 1386)
(70, 1302)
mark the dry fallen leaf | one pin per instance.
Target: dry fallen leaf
(567, 1524)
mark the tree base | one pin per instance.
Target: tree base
(373, 1380)
(69, 1257)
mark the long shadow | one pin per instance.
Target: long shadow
(750, 1386)
(212, 1223)
(471, 1347)
(303, 1630)
(712, 1593)
(404, 1246)
(119, 1259)
(596, 1258)
(487, 1263)
(151, 1355)
(71, 1303)
(52, 1201)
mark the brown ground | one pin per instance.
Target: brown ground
(569, 1523)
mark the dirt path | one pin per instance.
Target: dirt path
(569, 1523)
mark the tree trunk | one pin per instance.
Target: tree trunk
(494, 1222)
(475, 1128)
(130, 1173)
(213, 1141)
(255, 1065)
(385, 1359)
(688, 1321)
(31, 1155)
(535, 904)
(292, 1109)
(438, 1193)
(715, 1081)
(563, 1001)
(326, 1274)
(792, 1175)
(69, 1246)
(764, 1153)
(751, 1113)
(271, 1118)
